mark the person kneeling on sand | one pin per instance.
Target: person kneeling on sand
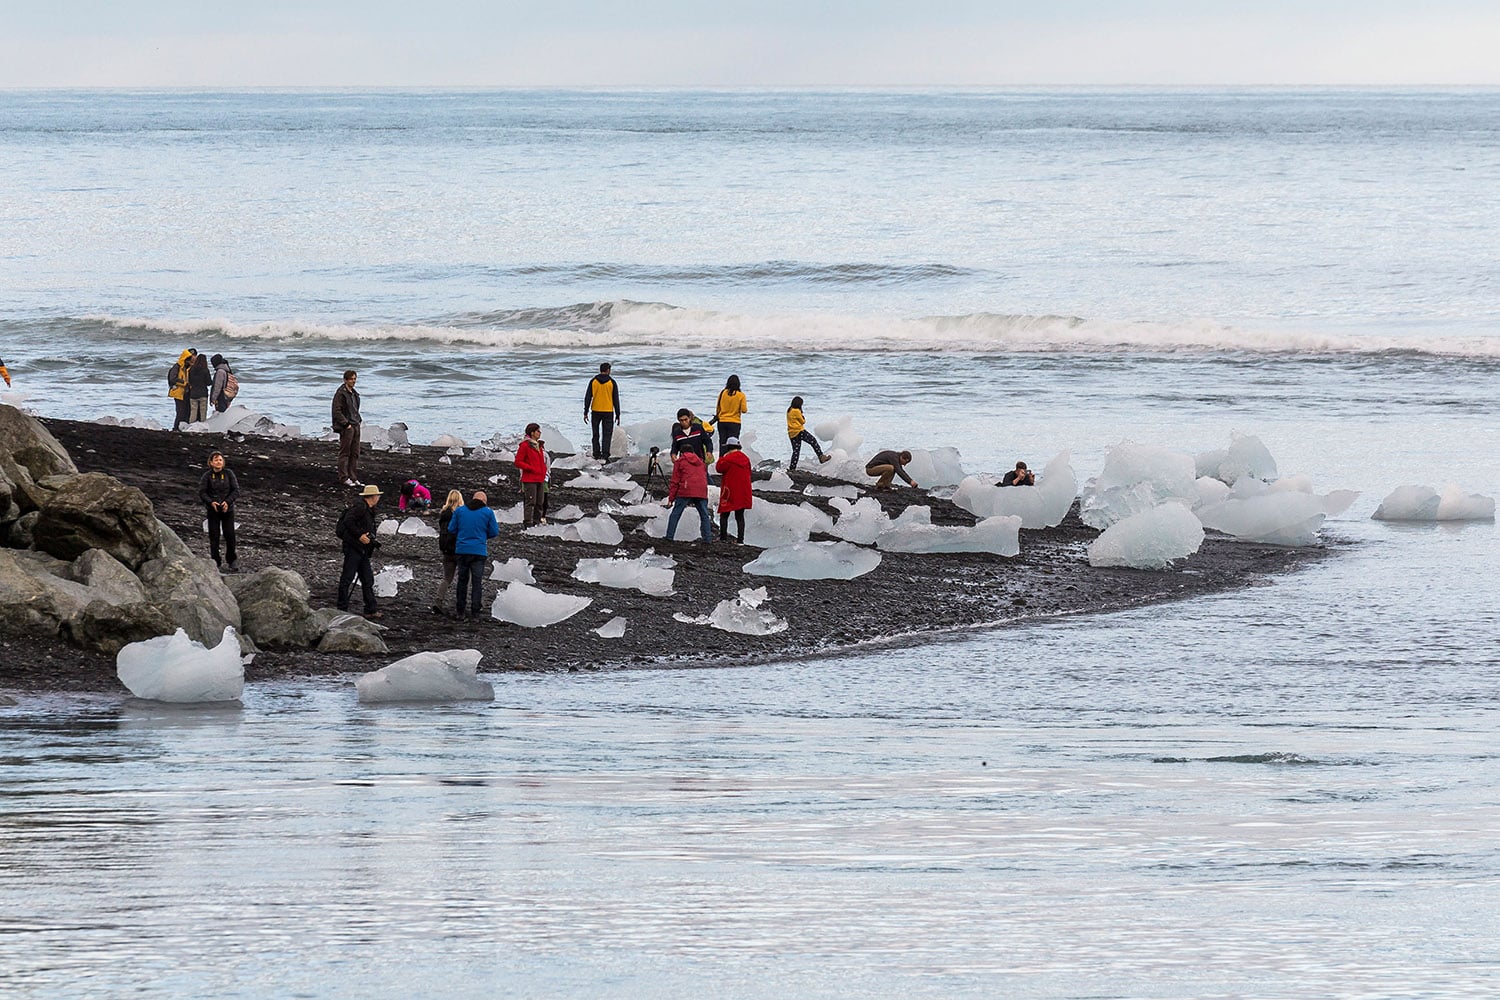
(886, 465)
(218, 489)
(473, 525)
(415, 497)
(356, 529)
(447, 547)
(1019, 476)
(689, 488)
(734, 489)
(531, 460)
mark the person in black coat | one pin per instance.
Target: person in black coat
(448, 547)
(218, 489)
(356, 529)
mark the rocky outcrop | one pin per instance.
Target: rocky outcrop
(107, 577)
(36, 595)
(193, 596)
(351, 634)
(110, 627)
(95, 511)
(275, 611)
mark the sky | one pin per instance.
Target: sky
(677, 43)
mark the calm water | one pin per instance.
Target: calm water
(1289, 791)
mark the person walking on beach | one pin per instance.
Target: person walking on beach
(798, 434)
(886, 465)
(601, 407)
(729, 411)
(447, 547)
(218, 489)
(531, 460)
(689, 488)
(688, 434)
(734, 489)
(346, 422)
(356, 529)
(473, 525)
(1019, 476)
(199, 381)
(177, 386)
(225, 386)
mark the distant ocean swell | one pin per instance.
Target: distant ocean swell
(657, 325)
(755, 273)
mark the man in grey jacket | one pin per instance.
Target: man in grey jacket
(346, 422)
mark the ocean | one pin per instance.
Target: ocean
(1287, 791)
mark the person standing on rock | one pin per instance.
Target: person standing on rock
(218, 489)
(887, 465)
(689, 489)
(346, 422)
(601, 407)
(448, 547)
(177, 386)
(531, 460)
(734, 489)
(200, 380)
(729, 411)
(356, 529)
(474, 525)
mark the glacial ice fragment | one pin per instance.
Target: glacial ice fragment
(1152, 539)
(427, 676)
(600, 529)
(1423, 503)
(416, 527)
(914, 531)
(612, 629)
(1137, 477)
(389, 578)
(815, 561)
(645, 574)
(529, 607)
(174, 668)
(515, 568)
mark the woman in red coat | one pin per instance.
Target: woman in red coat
(531, 459)
(734, 488)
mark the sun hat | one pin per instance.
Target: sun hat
(370, 490)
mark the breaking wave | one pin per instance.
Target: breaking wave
(659, 325)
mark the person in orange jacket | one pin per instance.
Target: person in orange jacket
(734, 489)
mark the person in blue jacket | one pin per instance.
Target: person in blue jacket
(473, 525)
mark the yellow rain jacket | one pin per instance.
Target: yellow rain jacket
(796, 423)
(179, 387)
(731, 407)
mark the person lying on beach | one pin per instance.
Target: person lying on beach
(886, 465)
(1019, 476)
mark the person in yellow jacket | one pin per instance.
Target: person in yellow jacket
(601, 408)
(796, 430)
(730, 410)
(177, 385)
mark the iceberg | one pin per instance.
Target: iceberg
(914, 531)
(1136, 478)
(1041, 506)
(1246, 457)
(525, 605)
(428, 676)
(935, 466)
(815, 561)
(174, 668)
(1152, 539)
(650, 573)
(515, 568)
(1423, 503)
(388, 580)
(768, 524)
(1285, 512)
(556, 440)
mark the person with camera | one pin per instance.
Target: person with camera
(356, 529)
(1019, 476)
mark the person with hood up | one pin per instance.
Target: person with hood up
(447, 547)
(797, 433)
(218, 490)
(199, 381)
(531, 460)
(734, 489)
(225, 386)
(473, 525)
(729, 411)
(689, 488)
(177, 386)
(601, 407)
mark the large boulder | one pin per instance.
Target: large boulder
(110, 627)
(36, 596)
(348, 633)
(192, 594)
(107, 577)
(274, 609)
(20, 532)
(95, 511)
(26, 444)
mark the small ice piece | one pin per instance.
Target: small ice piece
(843, 492)
(144, 423)
(445, 460)
(1137, 477)
(779, 482)
(497, 477)
(861, 521)
(815, 561)
(236, 525)
(577, 462)
(1423, 503)
(449, 441)
(1152, 539)
(175, 668)
(754, 596)
(635, 496)
(389, 526)
(644, 574)
(914, 531)
(735, 615)
(600, 529)
(935, 466)
(390, 578)
(427, 676)
(1041, 506)
(571, 512)
(511, 515)
(1245, 457)
(612, 629)
(515, 568)
(416, 527)
(601, 481)
(398, 435)
(525, 605)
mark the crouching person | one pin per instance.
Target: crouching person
(473, 525)
(356, 529)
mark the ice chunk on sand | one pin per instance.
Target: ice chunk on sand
(557, 441)
(1137, 477)
(1423, 503)
(861, 521)
(144, 423)
(754, 596)
(650, 573)
(1152, 539)
(1210, 491)
(612, 629)
(511, 515)
(1276, 518)
(935, 466)
(914, 531)
(1246, 456)
(600, 529)
(648, 434)
(840, 431)
(525, 605)
(768, 524)
(427, 676)
(636, 495)
(843, 492)
(175, 668)
(417, 528)
(449, 441)
(779, 482)
(815, 561)
(601, 481)
(1041, 506)
(571, 512)
(389, 578)
(515, 568)
(735, 614)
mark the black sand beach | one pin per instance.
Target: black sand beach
(290, 502)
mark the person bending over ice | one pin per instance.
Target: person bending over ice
(886, 465)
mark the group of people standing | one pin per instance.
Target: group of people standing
(197, 385)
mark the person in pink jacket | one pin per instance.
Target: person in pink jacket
(734, 489)
(689, 488)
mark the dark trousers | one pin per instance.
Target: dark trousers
(797, 446)
(184, 408)
(739, 525)
(681, 504)
(349, 453)
(531, 503)
(217, 522)
(727, 431)
(357, 563)
(604, 429)
(470, 582)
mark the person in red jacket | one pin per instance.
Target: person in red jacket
(531, 459)
(689, 488)
(734, 489)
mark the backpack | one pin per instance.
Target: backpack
(340, 529)
(173, 374)
(231, 387)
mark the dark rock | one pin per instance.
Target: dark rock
(96, 511)
(107, 628)
(275, 611)
(20, 532)
(348, 633)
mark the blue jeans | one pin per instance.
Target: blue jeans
(679, 505)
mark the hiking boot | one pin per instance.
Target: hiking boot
(437, 609)
(824, 458)
(374, 616)
(233, 567)
(350, 482)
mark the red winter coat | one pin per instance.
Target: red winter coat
(532, 461)
(689, 477)
(734, 488)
